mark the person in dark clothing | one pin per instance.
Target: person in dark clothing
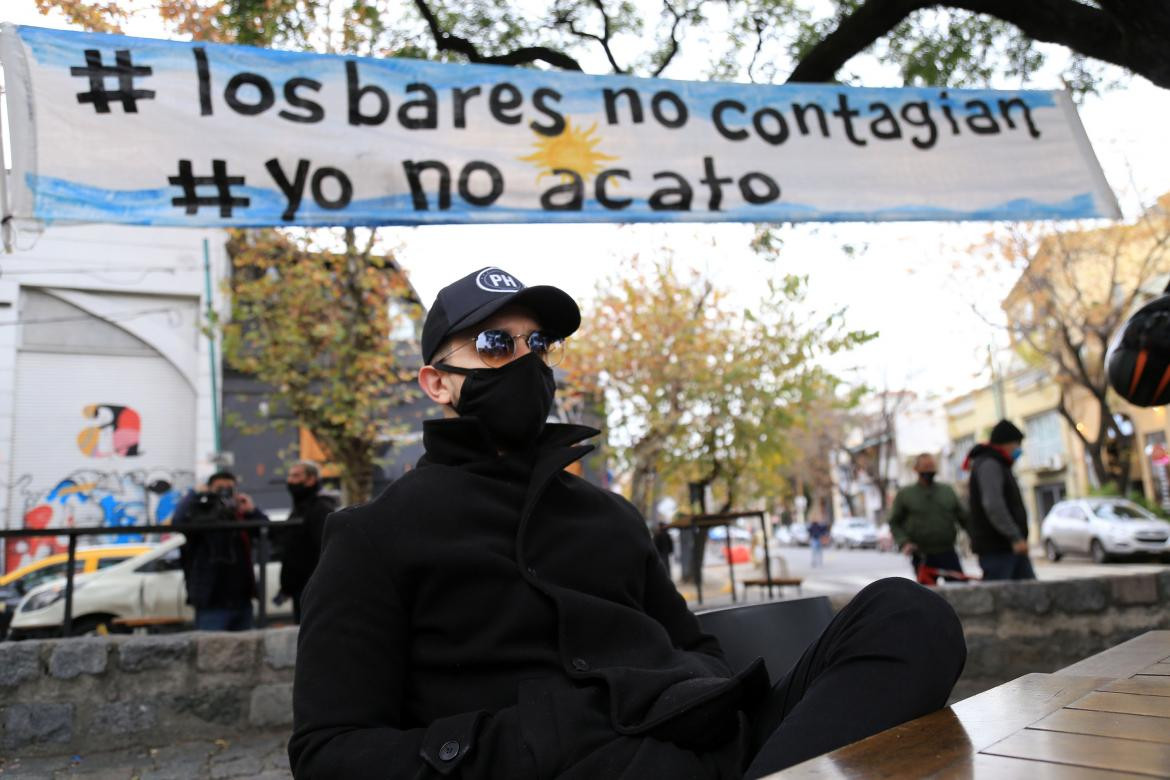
(491, 615)
(925, 519)
(664, 545)
(999, 520)
(217, 565)
(302, 541)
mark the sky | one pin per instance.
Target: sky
(899, 279)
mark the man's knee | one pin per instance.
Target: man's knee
(922, 617)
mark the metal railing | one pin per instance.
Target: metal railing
(186, 529)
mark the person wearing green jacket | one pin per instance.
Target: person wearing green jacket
(925, 518)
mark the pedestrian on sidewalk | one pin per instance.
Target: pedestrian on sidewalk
(817, 532)
(664, 545)
(999, 520)
(302, 537)
(925, 520)
(492, 615)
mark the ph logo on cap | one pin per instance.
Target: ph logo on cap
(497, 281)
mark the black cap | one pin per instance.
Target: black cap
(1005, 433)
(481, 294)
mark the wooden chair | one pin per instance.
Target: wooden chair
(777, 631)
(780, 579)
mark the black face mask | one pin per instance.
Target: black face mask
(927, 477)
(512, 401)
(300, 491)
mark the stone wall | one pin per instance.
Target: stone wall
(103, 693)
(1015, 628)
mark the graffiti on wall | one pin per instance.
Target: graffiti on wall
(93, 498)
(118, 428)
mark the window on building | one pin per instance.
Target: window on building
(1045, 442)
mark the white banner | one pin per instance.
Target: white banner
(107, 128)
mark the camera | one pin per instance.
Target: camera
(214, 507)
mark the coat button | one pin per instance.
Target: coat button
(580, 665)
(449, 750)
(532, 572)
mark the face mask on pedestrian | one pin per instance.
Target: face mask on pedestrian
(1016, 453)
(300, 491)
(512, 401)
(927, 477)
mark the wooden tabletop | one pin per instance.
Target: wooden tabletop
(1103, 727)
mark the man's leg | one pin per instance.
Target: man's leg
(1022, 568)
(891, 655)
(212, 619)
(997, 566)
(241, 618)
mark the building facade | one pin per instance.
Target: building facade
(108, 384)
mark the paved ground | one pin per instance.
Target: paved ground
(845, 572)
(258, 757)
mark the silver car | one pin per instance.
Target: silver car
(1104, 528)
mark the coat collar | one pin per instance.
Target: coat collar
(458, 440)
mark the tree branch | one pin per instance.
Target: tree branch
(566, 20)
(1087, 30)
(525, 55)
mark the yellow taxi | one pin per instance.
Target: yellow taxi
(18, 582)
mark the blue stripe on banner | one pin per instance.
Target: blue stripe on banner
(71, 201)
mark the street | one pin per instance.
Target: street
(845, 572)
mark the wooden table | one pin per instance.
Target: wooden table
(1105, 718)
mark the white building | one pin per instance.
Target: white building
(107, 382)
(892, 430)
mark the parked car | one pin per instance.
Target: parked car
(149, 585)
(799, 533)
(853, 532)
(782, 535)
(18, 582)
(1103, 529)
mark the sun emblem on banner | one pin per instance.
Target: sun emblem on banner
(574, 149)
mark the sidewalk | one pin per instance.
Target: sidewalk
(262, 757)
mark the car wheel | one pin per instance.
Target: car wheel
(1051, 551)
(1097, 550)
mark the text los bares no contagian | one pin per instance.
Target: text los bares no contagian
(479, 183)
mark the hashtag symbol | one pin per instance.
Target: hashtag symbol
(192, 201)
(123, 70)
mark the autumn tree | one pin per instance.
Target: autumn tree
(1076, 288)
(696, 389)
(315, 326)
(930, 42)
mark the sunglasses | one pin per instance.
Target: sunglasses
(496, 347)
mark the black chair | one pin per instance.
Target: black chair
(777, 631)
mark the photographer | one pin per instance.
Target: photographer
(217, 565)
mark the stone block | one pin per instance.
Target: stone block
(31, 723)
(1032, 597)
(280, 648)
(74, 657)
(124, 717)
(970, 601)
(271, 705)
(1137, 589)
(19, 662)
(1164, 586)
(226, 652)
(139, 654)
(1090, 595)
(221, 706)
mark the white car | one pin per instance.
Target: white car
(1104, 528)
(854, 532)
(799, 533)
(147, 586)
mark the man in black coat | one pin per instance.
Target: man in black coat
(218, 565)
(490, 615)
(999, 519)
(302, 538)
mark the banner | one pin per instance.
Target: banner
(107, 128)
